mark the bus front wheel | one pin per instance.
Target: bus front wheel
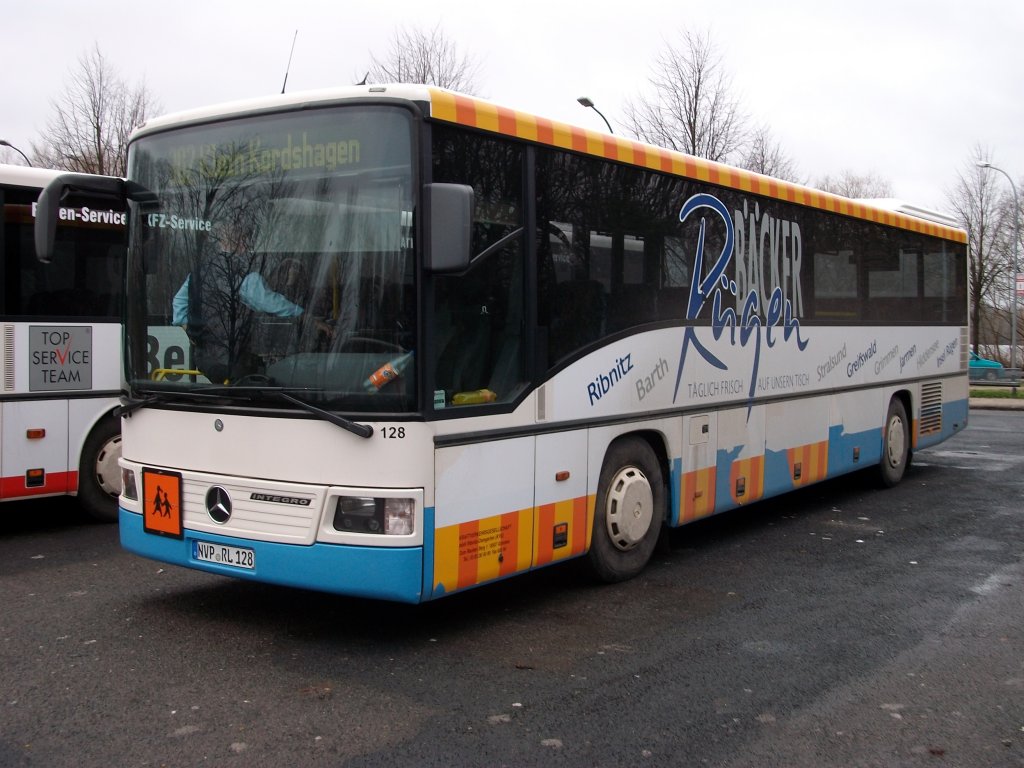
(630, 510)
(895, 444)
(99, 476)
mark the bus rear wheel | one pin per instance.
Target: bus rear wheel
(895, 444)
(630, 510)
(99, 476)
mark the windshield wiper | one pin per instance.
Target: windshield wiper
(130, 404)
(361, 430)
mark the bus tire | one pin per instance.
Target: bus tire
(629, 512)
(99, 476)
(895, 444)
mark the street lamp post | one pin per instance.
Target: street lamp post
(1013, 280)
(6, 143)
(587, 102)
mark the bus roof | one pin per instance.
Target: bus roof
(25, 176)
(902, 206)
(284, 101)
(485, 115)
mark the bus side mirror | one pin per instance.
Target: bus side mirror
(449, 217)
(57, 192)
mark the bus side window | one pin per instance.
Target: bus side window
(575, 305)
(479, 315)
(579, 316)
(674, 293)
(479, 326)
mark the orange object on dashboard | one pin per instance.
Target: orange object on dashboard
(472, 398)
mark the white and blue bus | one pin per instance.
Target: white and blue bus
(61, 347)
(433, 342)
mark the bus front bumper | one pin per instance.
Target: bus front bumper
(381, 573)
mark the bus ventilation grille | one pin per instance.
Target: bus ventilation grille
(931, 408)
(8, 358)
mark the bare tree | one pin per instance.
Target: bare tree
(93, 119)
(987, 216)
(764, 155)
(692, 108)
(850, 184)
(425, 57)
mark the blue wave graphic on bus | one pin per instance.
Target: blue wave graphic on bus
(779, 312)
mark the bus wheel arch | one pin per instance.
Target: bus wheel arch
(897, 439)
(630, 510)
(99, 475)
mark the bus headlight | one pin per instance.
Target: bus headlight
(368, 514)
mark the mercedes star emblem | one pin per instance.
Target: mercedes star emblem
(218, 504)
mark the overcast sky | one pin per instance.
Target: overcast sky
(901, 89)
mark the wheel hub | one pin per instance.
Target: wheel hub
(896, 441)
(108, 472)
(630, 508)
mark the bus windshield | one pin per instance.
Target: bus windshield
(275, 253)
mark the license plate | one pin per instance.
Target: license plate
(223, 554)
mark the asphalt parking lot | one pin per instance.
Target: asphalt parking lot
(842, 625)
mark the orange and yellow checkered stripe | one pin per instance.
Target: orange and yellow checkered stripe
(481, 550)
(571, 514)
(697, 494)
(751, 471)
(813, 461)
(468, 111)
(478, 551)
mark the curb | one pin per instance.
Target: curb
(995, 404)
